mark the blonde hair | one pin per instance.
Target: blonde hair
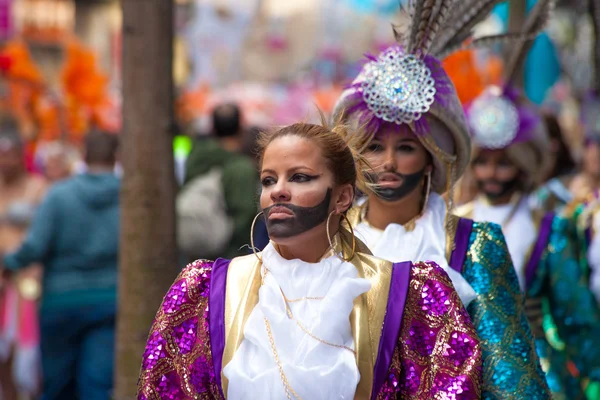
(341, 148)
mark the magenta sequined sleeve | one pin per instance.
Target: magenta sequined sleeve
(177, 363)
(439, 352)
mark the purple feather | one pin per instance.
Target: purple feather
(529, 117)
(444, 93)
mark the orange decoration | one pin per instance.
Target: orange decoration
(471, 77)
(25, 85)
(325, 99)
(21, 65)
(86, 91)
(192, 103)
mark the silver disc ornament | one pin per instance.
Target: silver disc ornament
(398, 87)
(494, 121)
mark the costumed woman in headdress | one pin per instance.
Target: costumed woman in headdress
(314, 315)
(510, 150)
(419, 144)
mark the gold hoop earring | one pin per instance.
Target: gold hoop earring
(252, 236)
(427, 192)
(351, 232)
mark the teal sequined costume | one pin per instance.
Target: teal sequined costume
(552, 196)
(569, 342)
(510, 364)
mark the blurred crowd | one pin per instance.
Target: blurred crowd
(59, 230)
(59, 227)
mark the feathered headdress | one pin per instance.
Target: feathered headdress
(406, 84)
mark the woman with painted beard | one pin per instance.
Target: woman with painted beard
(510, 153)
(313, 316)
(418, 143)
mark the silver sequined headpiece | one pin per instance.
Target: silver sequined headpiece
(398, 87)
(494, 120)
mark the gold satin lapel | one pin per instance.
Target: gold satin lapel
(241, 296)
(369, 309)
(367, 317)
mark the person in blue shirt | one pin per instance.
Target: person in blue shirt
(74, 235)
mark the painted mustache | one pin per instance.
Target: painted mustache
(409, 182)
(505, 187)
(299, 219)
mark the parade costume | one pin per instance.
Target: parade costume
(473, 253)
(584, 209)
(585, 216)
(380, 331)
(559, 305)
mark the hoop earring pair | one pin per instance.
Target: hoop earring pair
(328, 236)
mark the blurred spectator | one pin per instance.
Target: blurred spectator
(562, 160)
(57, 159)
(20, 194)
(250, 147)
(75, 236)
(218, 200)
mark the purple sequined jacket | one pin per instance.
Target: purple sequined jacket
(428, 347)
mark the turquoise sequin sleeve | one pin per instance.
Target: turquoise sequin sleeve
(511, 368)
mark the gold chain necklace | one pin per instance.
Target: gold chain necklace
(285, 298)
(290, 315)
(286, 384)
(289, 391)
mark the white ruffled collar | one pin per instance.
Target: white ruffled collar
(518, 226)
(315, 370)
(426, 242)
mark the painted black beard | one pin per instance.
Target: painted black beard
(506, 187)
(409, 183)
(304, 219)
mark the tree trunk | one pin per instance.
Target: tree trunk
(148, 261)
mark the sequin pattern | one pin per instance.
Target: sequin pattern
(511, 369)
(573, 310)
(438, 354)
(177, 362)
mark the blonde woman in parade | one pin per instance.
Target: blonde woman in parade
(314, 315)
(511, 148)
(419, 144)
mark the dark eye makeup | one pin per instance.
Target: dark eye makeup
(297, 178)
(301, 178)
(375, 147)
(407, 148)
(267, 181)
